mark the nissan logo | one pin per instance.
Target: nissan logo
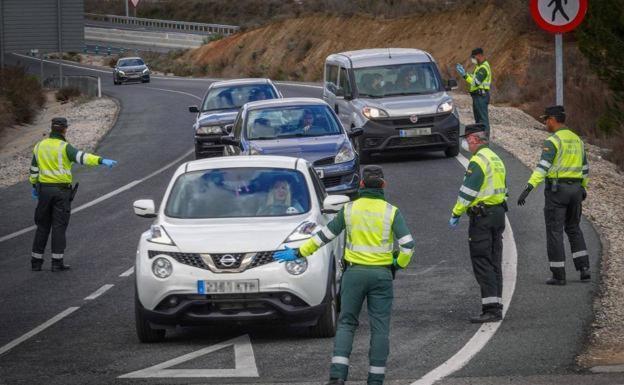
(413, 118)
(227, 260)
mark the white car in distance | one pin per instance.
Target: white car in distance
(208, 256)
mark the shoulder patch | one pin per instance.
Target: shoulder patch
(546, 149)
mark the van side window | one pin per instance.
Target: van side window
(345, 84)
(238, 126)
(331, 77)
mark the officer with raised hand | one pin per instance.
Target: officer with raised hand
(51, 178)
(479, 83)
(483, 196)
(372, 225)
(563, 166)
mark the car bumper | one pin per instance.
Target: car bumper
(341, 178)
(384, 134)
(127, 78)
(208, 146)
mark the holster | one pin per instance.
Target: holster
(74, 190)
(478, 211)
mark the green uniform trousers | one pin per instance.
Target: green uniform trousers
(480, 109)
(373, 284)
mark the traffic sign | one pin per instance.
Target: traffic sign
(558, 16)
(135, 3)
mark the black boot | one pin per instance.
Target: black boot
(36, 263)
(555, 281)
(585, 276)
(335, 381)
(487, 316)
(58, 265)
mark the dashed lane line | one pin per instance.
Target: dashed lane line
(99, 292)
(128, 272)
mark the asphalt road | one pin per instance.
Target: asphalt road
(545, 327)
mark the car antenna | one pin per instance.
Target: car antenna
(389, 54)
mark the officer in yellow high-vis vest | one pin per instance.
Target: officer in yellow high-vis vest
(563, 166)
(51, 178)
(483, 195)
(372, 226)
(479, 83)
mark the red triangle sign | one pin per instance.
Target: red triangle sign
(134, 3)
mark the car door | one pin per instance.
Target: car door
(237, 133)
(330, 84)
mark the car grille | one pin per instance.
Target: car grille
(194, 259)
(332, 181)
(324, 161)
(423, 121)
(413, 141)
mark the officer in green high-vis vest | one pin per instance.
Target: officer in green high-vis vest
(372, 226)
(51, 179)
(479, 83)
(563, 166)
(483, 195)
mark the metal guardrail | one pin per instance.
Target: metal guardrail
(169, 25)
(88, 85)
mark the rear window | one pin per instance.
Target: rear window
(236, 96)
(239, 192)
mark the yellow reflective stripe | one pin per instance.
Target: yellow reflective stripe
(405, 239)
(55, 172)
(327, 233)
(406, 251)
(370, 249)
(468, 191)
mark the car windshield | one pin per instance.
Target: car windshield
(291, 122)
(239, 192)
(130, 63)
(235, 97)
(394, 80)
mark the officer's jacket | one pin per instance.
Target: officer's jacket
(481, 78)
(53, 158)
(485, 182)
(563, 156)
(371, 226)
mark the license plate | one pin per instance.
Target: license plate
(415, 132)
(228, 287)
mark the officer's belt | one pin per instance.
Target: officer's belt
(479, 93)
(353, 264)
(65, 186)
(550, 181)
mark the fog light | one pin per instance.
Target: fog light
(162, 268)
(287, 299)
(297, 267)
(173, 301)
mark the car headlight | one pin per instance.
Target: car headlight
(345, 154)
(145, 71)
(374, 112)
(121, 73)
(303, 231)
(446, 106)
(210, 130)
(162, 268)
(159, 235)
(297, 267)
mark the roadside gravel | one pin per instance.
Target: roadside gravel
(522, 136)
(89, 121)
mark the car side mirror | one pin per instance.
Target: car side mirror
(355, 132)
(333, 203)
(194, 109)
(232, 141)
(451, 84)
(229, 128)
(144, 208)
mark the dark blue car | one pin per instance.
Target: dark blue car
(300, 127)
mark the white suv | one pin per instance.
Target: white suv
(208, 256)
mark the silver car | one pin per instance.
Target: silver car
(130, 69)
(396, 96)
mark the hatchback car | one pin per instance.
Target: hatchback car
(299, 127)
(396, 96)
(219, 108)
(130, 69)
(208, 256)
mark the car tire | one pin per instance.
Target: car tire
(365, 157)
(145, 81)
(144, 330)
(115, 82)
(452, 152)
(328, 322)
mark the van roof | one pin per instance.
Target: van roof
(382, 56)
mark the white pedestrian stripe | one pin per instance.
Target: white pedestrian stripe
(99, 292)
(245, 363)
(128, 272)
(37, 330)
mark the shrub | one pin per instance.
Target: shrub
(67, 93)
(21, 95)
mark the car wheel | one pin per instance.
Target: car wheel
(328, 322)
(365, 157)
(144, 330)
(451, 152)
(145, 81)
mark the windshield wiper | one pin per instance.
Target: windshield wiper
(263, 138)
(407, 93)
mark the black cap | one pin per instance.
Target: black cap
(474, 128)
(476, 51)
(59, 123)
(373, 176)
(556, 111)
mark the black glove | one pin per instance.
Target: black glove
(584, 193)
(524, 195)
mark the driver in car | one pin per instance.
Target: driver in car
(262, 128)
(279, 200)
(307, 121)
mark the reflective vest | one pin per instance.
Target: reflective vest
(54, 165)
(486, 83)
(370, 240)
(568, 162)
(493, 190)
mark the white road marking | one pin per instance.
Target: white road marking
(486, 331)
(128, 272)
(37, 330)
(245, 363)
(166, 90)
(99, 292)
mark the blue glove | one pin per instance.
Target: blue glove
(453, 222)
(34, 194)
(109, 163)
(286, 255)
(460, 70)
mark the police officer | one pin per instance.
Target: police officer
(51, 178)
(372, 226)
(479, 82)
(483, 196)
(563, 165)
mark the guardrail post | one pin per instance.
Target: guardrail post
(97, 49)
(99, 91)
(108, 51)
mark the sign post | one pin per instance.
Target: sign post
(558, 17)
